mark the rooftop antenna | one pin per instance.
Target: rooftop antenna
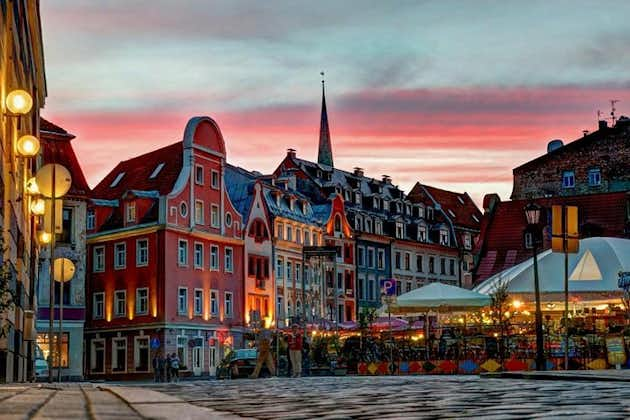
(612, 110)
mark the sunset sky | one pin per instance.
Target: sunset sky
(452, 93)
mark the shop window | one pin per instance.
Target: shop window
(119, 355)
(44, 345)
(141, 354)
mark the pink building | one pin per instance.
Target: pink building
(165, 252)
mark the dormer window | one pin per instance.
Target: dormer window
(357, 198)
(291, 203)
(420, 212)
(429, 213)
(156, 171)
(91, 219)
(376, 203)
(368, 225)
(348, 195)
(278, 199)
(131, 212)
(467, 241)
(378, 227)
(198, 174)
(400, 230)
(358, 222)
(319, 173)
(386, 205)
(408, 209)
(594, 177)
(398, 207)
(422, 233)
(304, 207)
(117, 180)
(444, 237)
(568, 179)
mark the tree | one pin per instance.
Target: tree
(499, 306)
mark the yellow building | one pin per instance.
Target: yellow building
(21, 67)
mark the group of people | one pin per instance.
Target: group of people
(166, 369)
(295, 341)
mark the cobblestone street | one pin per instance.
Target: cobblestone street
(407, 397)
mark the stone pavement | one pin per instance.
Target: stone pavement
(413, 397)
(611, 375)
(92, 401)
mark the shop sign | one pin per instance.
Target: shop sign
(624, 280)
(616, 350)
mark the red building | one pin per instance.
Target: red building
(165, 254)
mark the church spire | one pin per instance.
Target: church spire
(324, 156)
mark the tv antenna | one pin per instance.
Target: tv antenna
(612, 110)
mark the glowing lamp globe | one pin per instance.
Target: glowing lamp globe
(63, 269)
(28, 146)
(62, 180)
(19, 102)
(31, 186)
(38, 206)
(44, 237)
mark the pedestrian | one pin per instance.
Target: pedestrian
(167, 367)
(263, 344)
(156, 366)
(296, 344)
(160, 363)
(175, 367)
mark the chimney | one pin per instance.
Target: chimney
(291, 153)
(387, 179)
(603, 124)
(358, 171)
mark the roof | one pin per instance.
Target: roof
(459, 207)
(501, 244)
(283, 207)
(57, 148)
(138, 170)
(239, 184)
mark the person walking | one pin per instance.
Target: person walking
(296, 344)
(167, 367)
(175, 367)
(263, 344)
(156, 366)
(161, 365)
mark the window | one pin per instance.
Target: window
(361, 256)
(228, 305)
(91, 219)
(357, 198)
(199, 212)
(298, 236)
(67, 226)
(568, 179)
(141, 354)
(142, 252)
(298, 269)
(198, 305)
(407, 261)
(182, 253)
(315, 239)
(120, 303)
(337, 223)
(279, 268)
(381, 259)
(444, 237)
(442, 266)
(594, 177)
(289, 233)
(370, 258)
(371, 289)
(131, 212)
(451, 267)
(408, 287)
(430, 213)
(400, 230)
(156, 171)
(182, 350)
(358, 222)
(368, 225)
(398, 260)
(378, 227)
(467, 241)
(43, 342)
(419, 263)
(198, 260)
(215, 179)
(117, 180)
(98, 300)
(422, 233)
(432, 265)
(229, 266)
(386, 205)
(280, 231)
(214, 257)
(198, 174)
(97, 353)
(279, 307)
(183, 209)
(228, 219)
(214, 303)
(289, 271)
(98, 265)
(120, 255)
(307, 238)
(182, 300)
(214, 216)
(142, 301)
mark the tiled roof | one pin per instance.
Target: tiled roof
(138, 170)
(283, 208)
(56, 147)
(459, 207)
(239, 184)
(501, 244)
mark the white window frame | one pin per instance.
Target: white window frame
(90, 221)
(280, 231)
(214, 297)
(279, 268)
(115, 354)
(199, 212)
(380, 257)
(228, 219)
(138, 300)
(591, 175)
(444, 237)
(130, 212)
(198, 256)
(93, 355)
(201, 302)
(98, 264)
(96, 315)
(569, 174)
(118, 266)
(117, 300)
(230, 313)
(139, 261)
(214, 182)
(367, 257)
(215, 216)
(214, 258)
(229, 262)
(182, 262)
(182, 310)
(361, 256)
(136, 352)
(199, 170)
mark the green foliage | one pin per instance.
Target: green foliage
(367, 316)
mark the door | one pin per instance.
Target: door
(213, 360)
(197, 361)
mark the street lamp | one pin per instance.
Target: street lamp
(532, 214)
(28, 146)
(19, 102)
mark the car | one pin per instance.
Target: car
(239, 364)
(41, 369)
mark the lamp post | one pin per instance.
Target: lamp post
(532, 214)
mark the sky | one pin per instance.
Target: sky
(453, 94)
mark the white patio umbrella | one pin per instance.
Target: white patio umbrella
(438, 297)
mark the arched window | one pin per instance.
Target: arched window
(337, 223)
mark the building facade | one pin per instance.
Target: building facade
(164, 259)
(70, 244)
(21, 67)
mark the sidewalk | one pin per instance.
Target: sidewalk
(95, 401)
(610, 375)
